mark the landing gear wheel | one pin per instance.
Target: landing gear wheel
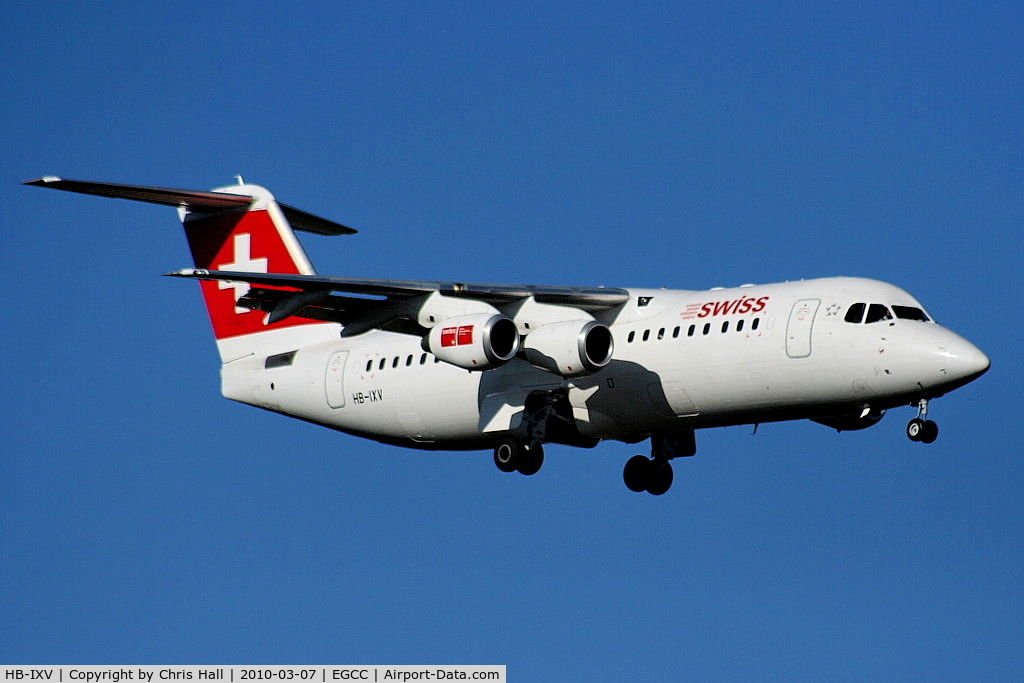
(924, 431)
(916, 429)
(661, 476)
(507, 455)
(636, 473)
(530, 460)
(921, 428)
(929, 432)
(643, 474)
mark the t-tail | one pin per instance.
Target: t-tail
(239, 228)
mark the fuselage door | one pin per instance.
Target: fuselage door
(334, 381)
(801, 324)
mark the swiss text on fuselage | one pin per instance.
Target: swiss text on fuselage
(731, 307)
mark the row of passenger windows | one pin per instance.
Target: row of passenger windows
(873, 313)
(692, 330)
(397, 360)
(855, 314)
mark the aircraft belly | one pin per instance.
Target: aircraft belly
(622, 401)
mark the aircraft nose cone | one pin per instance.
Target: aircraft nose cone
(964, 361)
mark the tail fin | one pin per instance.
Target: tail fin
(239, 228)
(254, 239)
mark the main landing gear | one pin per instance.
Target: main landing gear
(543, 420)
(648, 474)
(654, 474)
(511, 455)
(921, 428)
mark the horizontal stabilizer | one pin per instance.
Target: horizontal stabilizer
(194, 200)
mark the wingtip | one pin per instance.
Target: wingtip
(44, 181)
(187, 272)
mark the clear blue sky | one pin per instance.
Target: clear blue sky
(144, 519)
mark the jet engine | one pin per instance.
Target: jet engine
(570, 349)
(474, 342)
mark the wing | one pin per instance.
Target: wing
(363, 304)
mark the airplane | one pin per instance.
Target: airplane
(509, 368)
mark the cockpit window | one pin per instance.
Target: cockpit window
(910, 313)
(877, 313)
(855, 313)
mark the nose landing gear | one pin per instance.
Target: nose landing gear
(921, 428)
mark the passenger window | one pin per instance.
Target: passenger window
(380, 366)
(855, 313)
(725, 327)
(910, 313)
(369, 365)
(647, 335)
(423, 359)
(877, 313)
(689, 332)
(675, 333)
(739, 326)
(631, 337)
(661, 333)
(394, 363)
(757, 323)
(408, 361)
(707, 328)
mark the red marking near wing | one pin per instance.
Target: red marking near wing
(449, 336)
(456, 335)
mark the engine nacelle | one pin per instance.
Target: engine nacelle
(474, 342)
(570, 349)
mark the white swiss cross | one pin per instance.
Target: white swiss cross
(244, 263)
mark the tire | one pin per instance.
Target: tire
(636, 473)
(507, 455)
(916, 429)
(929, 432)
(530, 460)
(661, 477)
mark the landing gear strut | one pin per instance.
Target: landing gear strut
(654, 474)
(921, 428)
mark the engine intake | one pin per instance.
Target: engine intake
(570, 349)
(474, 342)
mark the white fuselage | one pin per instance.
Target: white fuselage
(682, 359)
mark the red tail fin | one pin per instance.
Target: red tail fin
(255, 240)
(240, 228)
